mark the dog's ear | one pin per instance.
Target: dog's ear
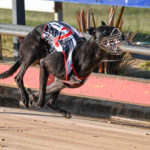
(91, 30)
(103, 23)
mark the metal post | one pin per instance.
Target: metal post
(18, 17)
(1, 56)
(58, 16)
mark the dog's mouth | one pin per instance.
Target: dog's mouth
(111, 43)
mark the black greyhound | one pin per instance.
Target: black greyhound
(71, 68)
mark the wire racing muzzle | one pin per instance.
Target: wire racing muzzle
(111, 43)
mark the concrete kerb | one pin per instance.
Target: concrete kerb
(103, 108)
(9, 97)
(84, 106)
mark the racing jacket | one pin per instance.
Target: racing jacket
(61, 37)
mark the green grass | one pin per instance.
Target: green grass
(146, 66)
(135, 19)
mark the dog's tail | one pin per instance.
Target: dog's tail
(11, 71)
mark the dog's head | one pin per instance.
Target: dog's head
(109, 38)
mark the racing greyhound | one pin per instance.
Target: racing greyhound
(61, 51)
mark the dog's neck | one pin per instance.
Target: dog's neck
(86, 57)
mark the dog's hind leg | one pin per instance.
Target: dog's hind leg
(19, 80)
(51, 64)
(20, 84)
(43, 81)
(53, 87)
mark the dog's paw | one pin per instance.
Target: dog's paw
(68, 115)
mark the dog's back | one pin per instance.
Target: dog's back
(60, 36)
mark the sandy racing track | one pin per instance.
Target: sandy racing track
(34, 130)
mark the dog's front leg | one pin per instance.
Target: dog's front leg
(55, 86)
(43, 81)
(53, 104)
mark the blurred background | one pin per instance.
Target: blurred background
(135, 20)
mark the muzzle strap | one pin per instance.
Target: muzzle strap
(111, 43)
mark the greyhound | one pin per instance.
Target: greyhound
(61, 51)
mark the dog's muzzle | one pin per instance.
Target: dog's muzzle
(111, 43)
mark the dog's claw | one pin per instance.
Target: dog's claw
(25, 102)
(31, 102)
(27, 105)
(32, 97)
(67, 115)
